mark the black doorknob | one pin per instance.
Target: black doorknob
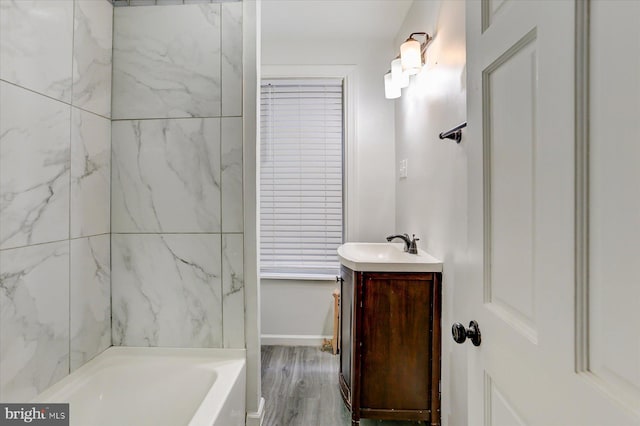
(460, 334)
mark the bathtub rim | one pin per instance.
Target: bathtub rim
(212, 401)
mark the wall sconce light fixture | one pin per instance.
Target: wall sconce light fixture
(409, 62)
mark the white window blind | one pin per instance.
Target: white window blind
(300, 177)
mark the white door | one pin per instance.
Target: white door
(553, 148)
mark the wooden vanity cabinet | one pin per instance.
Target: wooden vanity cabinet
(390, 345)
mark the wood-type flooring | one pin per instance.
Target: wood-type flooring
(300, 387)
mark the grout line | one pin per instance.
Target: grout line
(221, 170)
(221, 153)
(127, 3)
(54, 241)
(221, 56)
(89, 236)
(175, 118)
(177, 233)
(91, 112)
(222, 275)
(37, 93)
(56, 99)
(113, 37)
(71, 133)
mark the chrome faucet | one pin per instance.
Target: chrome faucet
(410, 245)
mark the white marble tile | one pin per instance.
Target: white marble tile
(166, 175)
(166, 61)
(166, 290)
(34, 319)
(232, 212)
(232, 59)
(233, 290)
(34, 168)
(36, 38)
(90, 298)
(92, 41)
(90, 174)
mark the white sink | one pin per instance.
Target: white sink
(386, 257)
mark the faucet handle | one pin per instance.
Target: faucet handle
(413, 246)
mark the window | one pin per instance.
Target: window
(301, 212)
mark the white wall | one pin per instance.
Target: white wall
(304, 308)
(431, 202)
(296, 311)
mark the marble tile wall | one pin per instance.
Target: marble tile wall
(166, 61)
(167, 290)
(177, 234)
(166, 175)
(55, 136)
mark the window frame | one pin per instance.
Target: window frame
(348, 74)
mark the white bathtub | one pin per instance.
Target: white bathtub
(155, 387)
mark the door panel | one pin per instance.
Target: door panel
(491, 9)
(498, 410)
(510, 87)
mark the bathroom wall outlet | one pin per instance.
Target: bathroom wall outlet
(404, 168)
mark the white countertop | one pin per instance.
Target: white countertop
(386, 257)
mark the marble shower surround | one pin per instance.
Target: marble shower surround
(177, 175)
(92, 56)
(167, 180)
(167, 290)
(34, 340)
(89, 298)
(167, 62)
(177, 264)
(166, 175)
(178, 290)
(55, 76)
(90, 174)
(66, 64)
(36, 45)
(177, 61)
(34, 168)
(59, 48)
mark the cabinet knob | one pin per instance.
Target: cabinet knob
(461, 334)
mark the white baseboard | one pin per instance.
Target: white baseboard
(293, 339)
(255, 419)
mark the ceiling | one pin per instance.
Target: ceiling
(334, 19)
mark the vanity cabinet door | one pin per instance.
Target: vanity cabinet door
(396, 348)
